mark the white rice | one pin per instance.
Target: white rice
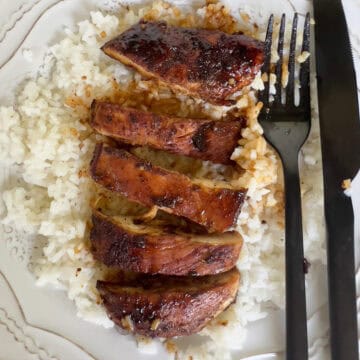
(43, 135)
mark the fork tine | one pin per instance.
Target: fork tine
(279, 64)
(291, 83)
(264, 96)
(305, 66)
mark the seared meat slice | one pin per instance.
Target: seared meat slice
(119, 243)
(117, 170)
(164, 306)
(209, 64)
(202, 139)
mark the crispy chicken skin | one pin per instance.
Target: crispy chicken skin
(209, 64)
(198, 138)
(164, 306)
(119, 243)
(117, 170)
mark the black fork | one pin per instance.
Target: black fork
(286, 127)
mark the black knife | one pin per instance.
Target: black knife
(340, 138)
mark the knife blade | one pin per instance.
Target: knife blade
(340, 138)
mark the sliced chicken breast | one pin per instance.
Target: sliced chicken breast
(163, 306)
(216, 208)
(159, 249)
(198, 138)
(209, 64)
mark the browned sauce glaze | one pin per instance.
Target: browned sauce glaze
(117, 170)
(144, 248)
(165, 306)
(198, 138)
(209, 64)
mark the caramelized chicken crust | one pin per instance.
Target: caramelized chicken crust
(165, 306)
(209, 64)
(216, 208)
(198, 138)
(159, 249)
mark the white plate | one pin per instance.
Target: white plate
(40, 323)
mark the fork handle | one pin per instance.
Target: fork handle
(296, 320)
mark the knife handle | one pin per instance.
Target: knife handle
(341, 270)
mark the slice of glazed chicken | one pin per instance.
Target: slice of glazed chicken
(216, 208)
(198, 138)
(209, 64)
(162, 306)
(159, 249)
